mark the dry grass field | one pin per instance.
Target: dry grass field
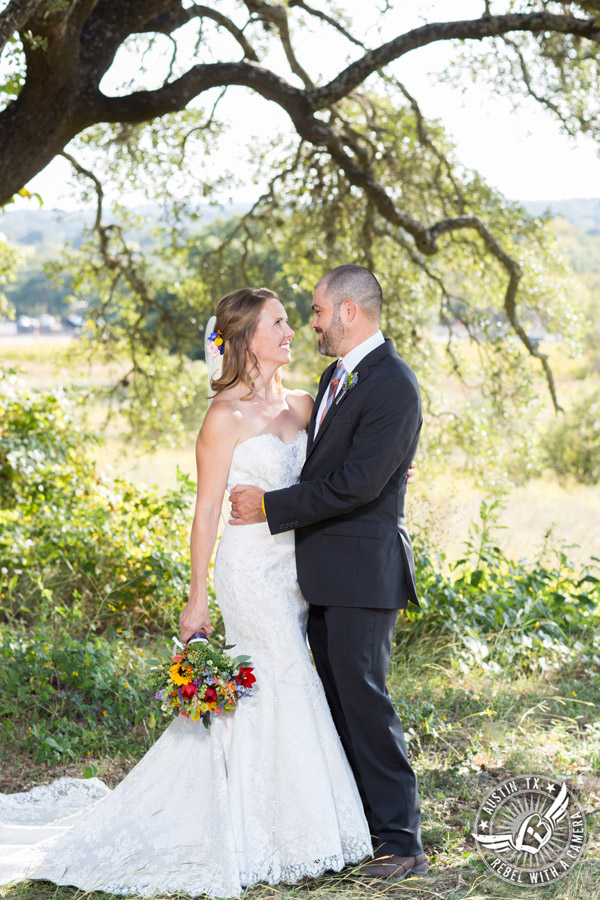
(444, 503)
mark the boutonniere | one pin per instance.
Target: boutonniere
(350, 382)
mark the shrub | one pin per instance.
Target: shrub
(573, 443)
(68, 539)
(64, 697)
(500, 612)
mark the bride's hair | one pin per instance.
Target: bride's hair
(237, 320)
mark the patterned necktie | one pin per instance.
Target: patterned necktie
(339, 373)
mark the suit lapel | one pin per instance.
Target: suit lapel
(323, 386)
(363, 369)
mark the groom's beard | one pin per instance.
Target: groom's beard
(332, 338)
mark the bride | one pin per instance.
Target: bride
(267, 794)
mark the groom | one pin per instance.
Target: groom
(353, 553)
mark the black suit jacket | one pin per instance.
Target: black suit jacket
(352, 546)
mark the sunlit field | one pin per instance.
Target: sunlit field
(542, 510)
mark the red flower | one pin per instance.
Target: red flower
(210, 695)
(245, 676)
(188, 690)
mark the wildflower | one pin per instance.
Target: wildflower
(74, 672)
(179, 677)
(245, 676)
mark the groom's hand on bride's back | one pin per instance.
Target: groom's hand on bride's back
(247, 501)
(246, 505)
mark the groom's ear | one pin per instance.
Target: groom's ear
(349, 310)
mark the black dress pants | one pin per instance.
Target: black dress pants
(351, 648)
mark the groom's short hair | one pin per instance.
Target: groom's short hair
(355, 283)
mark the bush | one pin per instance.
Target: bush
(573, 444)
(64, 697)
(116, 552)
(502, 613)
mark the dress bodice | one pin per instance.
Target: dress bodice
(268, 462)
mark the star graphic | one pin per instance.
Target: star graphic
(483, 825)
(551, 787)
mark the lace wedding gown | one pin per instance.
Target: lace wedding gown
(266, 795)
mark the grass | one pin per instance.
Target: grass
(487, 729)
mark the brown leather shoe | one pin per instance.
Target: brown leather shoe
(394, 868)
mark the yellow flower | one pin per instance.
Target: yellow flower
(119, 631)
(177, 677)
(104, 713)
(74, 672)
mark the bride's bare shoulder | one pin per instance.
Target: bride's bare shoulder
(222, 422)
(301, 403)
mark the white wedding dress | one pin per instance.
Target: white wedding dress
(266, 795)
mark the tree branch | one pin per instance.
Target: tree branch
(543, 101)
(142, 106)
(15, 17)
(475, 29)
(510, 299)
(278, 17)
(174, 18)
(325, 18)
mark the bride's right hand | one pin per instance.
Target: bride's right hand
(194, 617)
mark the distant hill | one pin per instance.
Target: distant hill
(43, 230)
(583, 214)
(43, 233)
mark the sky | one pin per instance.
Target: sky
(524, 155)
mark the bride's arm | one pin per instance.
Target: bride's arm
(214, 449)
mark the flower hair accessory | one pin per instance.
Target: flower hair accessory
(213, 353)
(215, 339)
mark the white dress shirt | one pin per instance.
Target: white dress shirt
(351, 361)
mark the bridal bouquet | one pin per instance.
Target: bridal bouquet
(201, 680)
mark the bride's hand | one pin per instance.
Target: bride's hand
(194, 617)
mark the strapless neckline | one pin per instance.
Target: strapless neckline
(270, 434)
